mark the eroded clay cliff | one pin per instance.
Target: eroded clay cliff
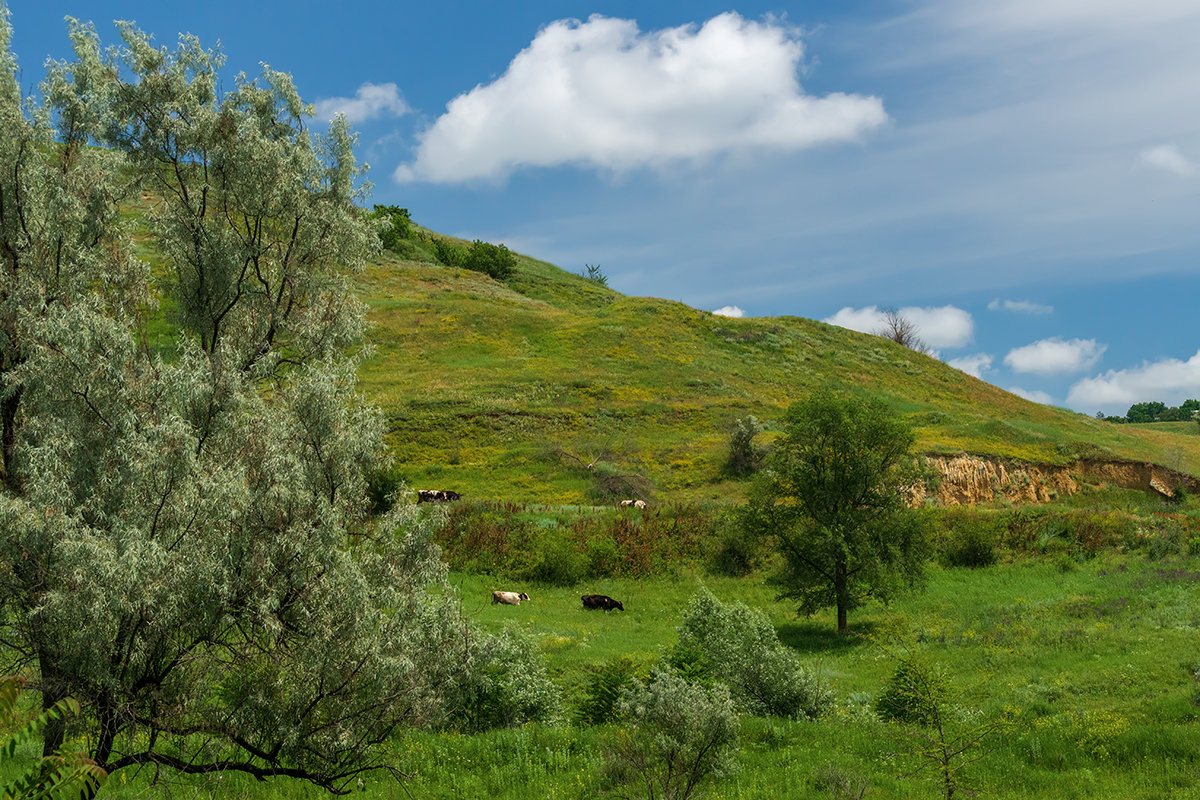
(967, 479)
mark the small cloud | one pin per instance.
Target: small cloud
(942, 326)
(1168, 158)
(1033, 395)
(1055, 356)
(1169, 380)
(972, 365)
(371, 101)
(603, 94)
(1021, 306)
(729, 311)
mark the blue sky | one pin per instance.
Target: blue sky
(1019, 177)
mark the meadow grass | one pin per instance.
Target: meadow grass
(1093, 664)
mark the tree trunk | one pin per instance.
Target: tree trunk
(55, 731)
(842, 590)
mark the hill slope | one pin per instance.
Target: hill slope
(506, 390)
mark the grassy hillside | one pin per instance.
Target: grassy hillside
(504, 390)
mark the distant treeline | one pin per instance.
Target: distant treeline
(1157, 412)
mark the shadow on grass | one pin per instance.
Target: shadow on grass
(813, 637)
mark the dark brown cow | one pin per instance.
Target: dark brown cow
(594, 602)
(437, 496)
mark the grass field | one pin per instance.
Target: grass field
(1094, 665)
(486, 386)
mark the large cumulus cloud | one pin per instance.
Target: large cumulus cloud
(603, 94)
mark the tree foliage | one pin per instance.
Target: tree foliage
(65, 774)
(834, 500)
(395, 226)
(678, 734)
(188, 550)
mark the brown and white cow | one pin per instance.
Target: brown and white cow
(508, 598)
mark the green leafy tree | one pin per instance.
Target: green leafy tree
(395, 225)
(187, 545)
(1145, 412)
(941, 734)
(834, 500)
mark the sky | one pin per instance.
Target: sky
(1019, 178)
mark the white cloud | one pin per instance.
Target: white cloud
(603, 94)
(1166, 157)
(1021, 306)
(1034, 395)
(972, 365)
(1055, 356)
(371, 101)
(1170, 380)
(729, 311)
(943, 326)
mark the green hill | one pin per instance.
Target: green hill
(508, 390)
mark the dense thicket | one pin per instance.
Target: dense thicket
(187, 548)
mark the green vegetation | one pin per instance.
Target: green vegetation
(835, 503)
(1157, 411)
(485, 383)
(64, 774)
(206, 543)
(187, 548)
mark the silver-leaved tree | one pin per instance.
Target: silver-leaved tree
(186, 546)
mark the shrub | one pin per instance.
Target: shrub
(384, 488)
(744, 456)
(911, 695)
(679, 735)
(603, 689)
(971, 543)
(594, 274)
(610, 483)
(449, 253)
(507, 686)
(740, 647)
(495, 260)
(556, 561)
(738, 552)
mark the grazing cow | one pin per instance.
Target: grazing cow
(639, 504)
(598, 601)
(437, 496)
(508, 598)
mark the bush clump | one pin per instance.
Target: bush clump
(679, 735)
(495, 260)
(911, 695)
(602, 691)
(507, 686)
(738, 646)
(971, 542)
